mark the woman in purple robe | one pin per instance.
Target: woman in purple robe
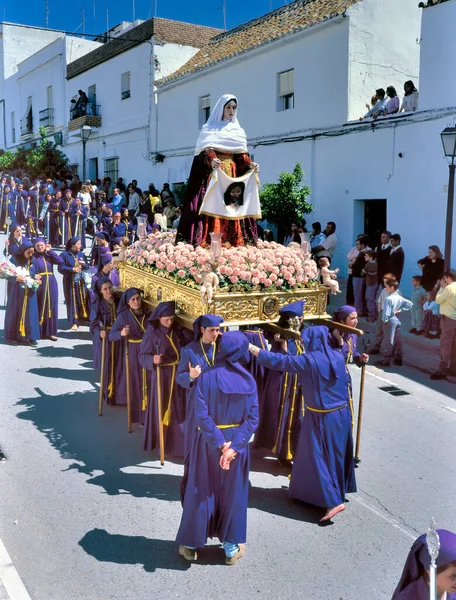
(161, 349)
(216, 496)
(74, 289)
(221, 144)
(129, 328)
(282, 404)
(414, 582)
(323, 469)
(21, 318)
(101, 240)
(14, 241)
(48, 292)
(103, 315)
(106, 269)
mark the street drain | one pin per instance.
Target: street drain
(2, 455)
(394, 391)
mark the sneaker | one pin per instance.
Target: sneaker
(382, 363)
(413, 330)
(398, 362)
(188, 553)
(239, 554)
(33, 343)
(438, 375)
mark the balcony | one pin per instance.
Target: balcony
(88, 115)
(26, 127)
(46, 117)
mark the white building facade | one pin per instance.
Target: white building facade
(366, 176)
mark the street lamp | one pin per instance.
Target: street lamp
(448, 136)
(86, 130)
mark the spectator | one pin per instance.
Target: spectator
(133, 201)
(144, 207)
(120, 185)
(379, 105)
(160, 219)
(397, 256)
(166, 193)
(118, 200)
(178, 217)
(392, 339)
(418, 299)
(383, 253)
(410, 100)
(359, 280)
(370, 271)
(316, 237)
(328, 246)
(74, 112)
(170, 212)
(431, 319)
(378, 336)
(302, 227)
(432, 267)
(75, 186)
(268, 236)
(392, 105)
(350, 297)
(81, 103)
(446, 299)
(85, 196)
(290, 236)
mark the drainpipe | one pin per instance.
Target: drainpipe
(4, 122)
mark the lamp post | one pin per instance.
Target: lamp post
(86, 130)
(448, 136)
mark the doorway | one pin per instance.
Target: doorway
(93, 169)
(369, 217)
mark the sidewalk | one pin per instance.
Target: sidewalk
(419, 352)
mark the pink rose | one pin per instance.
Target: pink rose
(279, 282)
(292, 281)
(255, 281)
(234, 278)
(267, 282)
(181, 273)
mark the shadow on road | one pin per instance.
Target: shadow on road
(78, 351)
(70, 374)
(276, 501)
(153, 554)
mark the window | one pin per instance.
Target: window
(111, 168)
(13, 128)
(204, 110)
(27, 121)
(49, 97)
(125, 85)
(286, 90)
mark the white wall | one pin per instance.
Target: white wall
(171, 57)
(438, 56)
(383, 49)
(319, 57)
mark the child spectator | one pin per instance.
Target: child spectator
(410, 100)
(375, 348)
(392, 339)
(418, 299)
(431, 320)
(370, 271)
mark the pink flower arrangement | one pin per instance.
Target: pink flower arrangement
(268, 265)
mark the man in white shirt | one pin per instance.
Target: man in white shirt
(328, 246)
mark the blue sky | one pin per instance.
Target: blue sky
(68, 15)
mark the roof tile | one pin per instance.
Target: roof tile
(295, 16)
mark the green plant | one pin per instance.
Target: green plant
(285, 201)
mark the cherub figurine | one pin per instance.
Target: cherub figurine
(209, 287)
(329, 276)
(119, 252)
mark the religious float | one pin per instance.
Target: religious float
(246, 285)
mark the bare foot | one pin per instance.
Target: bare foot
(54, 338)
(74, 327)
(332, 512)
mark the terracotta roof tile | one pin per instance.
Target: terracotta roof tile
(164, 30)
(293, 17)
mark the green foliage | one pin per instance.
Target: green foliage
(179, 190)
(43, 160)
(285, 202)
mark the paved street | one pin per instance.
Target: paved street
(85, 514)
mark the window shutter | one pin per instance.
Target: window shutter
(286, 83)
(205, 102)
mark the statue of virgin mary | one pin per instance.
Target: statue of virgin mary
(221, 144)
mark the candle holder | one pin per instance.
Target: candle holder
(216, 245)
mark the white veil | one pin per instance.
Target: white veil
(225, 136)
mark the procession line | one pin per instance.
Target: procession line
(9, 577)
(392, 522)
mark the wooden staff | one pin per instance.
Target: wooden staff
(127, 374)
(360, 414)
(161, 433)
(102, 377)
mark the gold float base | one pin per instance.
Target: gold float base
(236, 308)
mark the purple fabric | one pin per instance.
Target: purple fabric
(48, 292)
(125, 298)
(418, 560)
(105, 259)
(164, 309)
(26, 244)
(208, 320)
(343, 312)
(71, 242)
(295, 309)
(102, 234)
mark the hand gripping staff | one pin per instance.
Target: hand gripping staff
(161, 435)
(102, 377)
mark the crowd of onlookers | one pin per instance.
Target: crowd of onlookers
(385, 104)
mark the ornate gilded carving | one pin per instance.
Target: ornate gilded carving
(249, 307)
